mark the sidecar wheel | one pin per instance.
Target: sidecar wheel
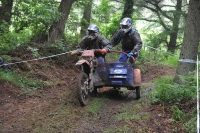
(138, 92)
(82, 91)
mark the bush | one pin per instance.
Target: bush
(12, 40)
(168, 92)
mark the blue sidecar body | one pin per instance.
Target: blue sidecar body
(117, 74)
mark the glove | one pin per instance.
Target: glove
(129, 54)
(75, 52)
(108, 48)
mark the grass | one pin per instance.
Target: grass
(19, 80)
(130, 114)
(96, 104)
(170, 61)
(115, 129)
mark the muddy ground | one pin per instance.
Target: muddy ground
(55, 108)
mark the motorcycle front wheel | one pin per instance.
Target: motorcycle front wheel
(82, 89)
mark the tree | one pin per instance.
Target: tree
(86, 18)
(56, 31)
(128, 9)
(5, 14)
(167, 16)
(191, 38)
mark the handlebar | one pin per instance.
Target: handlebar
(103, 51)
(76, 52)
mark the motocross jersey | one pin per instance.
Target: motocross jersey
(131, 41)
(98, 43)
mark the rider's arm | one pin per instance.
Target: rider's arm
(82, 44)
(137, 41)
(115, 40)
(104, 42)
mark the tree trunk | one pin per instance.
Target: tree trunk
(171, 46)
(189, 48)
(56, 31)
(128, 9)
(86, 18)
(5, 14)
(174, 33)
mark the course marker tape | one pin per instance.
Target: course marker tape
(6, 64)
(159, 50)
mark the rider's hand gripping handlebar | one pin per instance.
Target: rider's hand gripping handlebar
(75, 52)
(103, 51)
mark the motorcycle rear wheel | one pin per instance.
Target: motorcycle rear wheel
(82, 91)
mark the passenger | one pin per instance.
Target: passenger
(130, 40)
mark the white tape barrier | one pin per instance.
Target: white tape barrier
(189, 61)
(6, 64)
(159, 50)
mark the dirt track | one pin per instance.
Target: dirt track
(55, 108)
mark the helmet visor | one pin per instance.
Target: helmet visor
(125, 26)
(91, 32)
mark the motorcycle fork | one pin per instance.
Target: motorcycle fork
(89, 82)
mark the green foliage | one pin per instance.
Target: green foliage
(155, 39)
(153, 55)
(34, 51)
(170, 61)
(177, 115)
(11, 40)
(187, 120)
(167, 92)
(20, 81)
(37, 16)
(190, 124)
(102, 11)
(108, 29)
(107, 17)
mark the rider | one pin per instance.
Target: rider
(129, 38)
(93, 41)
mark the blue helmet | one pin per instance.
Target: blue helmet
(126, 24)
(94, 28)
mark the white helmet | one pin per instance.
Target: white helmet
(126, 24)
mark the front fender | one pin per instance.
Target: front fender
(80, 62)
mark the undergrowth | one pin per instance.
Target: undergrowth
(158, 57)
(169, 92)
(174, 96)
(19, 80)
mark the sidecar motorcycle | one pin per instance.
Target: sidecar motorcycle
(96, 75)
